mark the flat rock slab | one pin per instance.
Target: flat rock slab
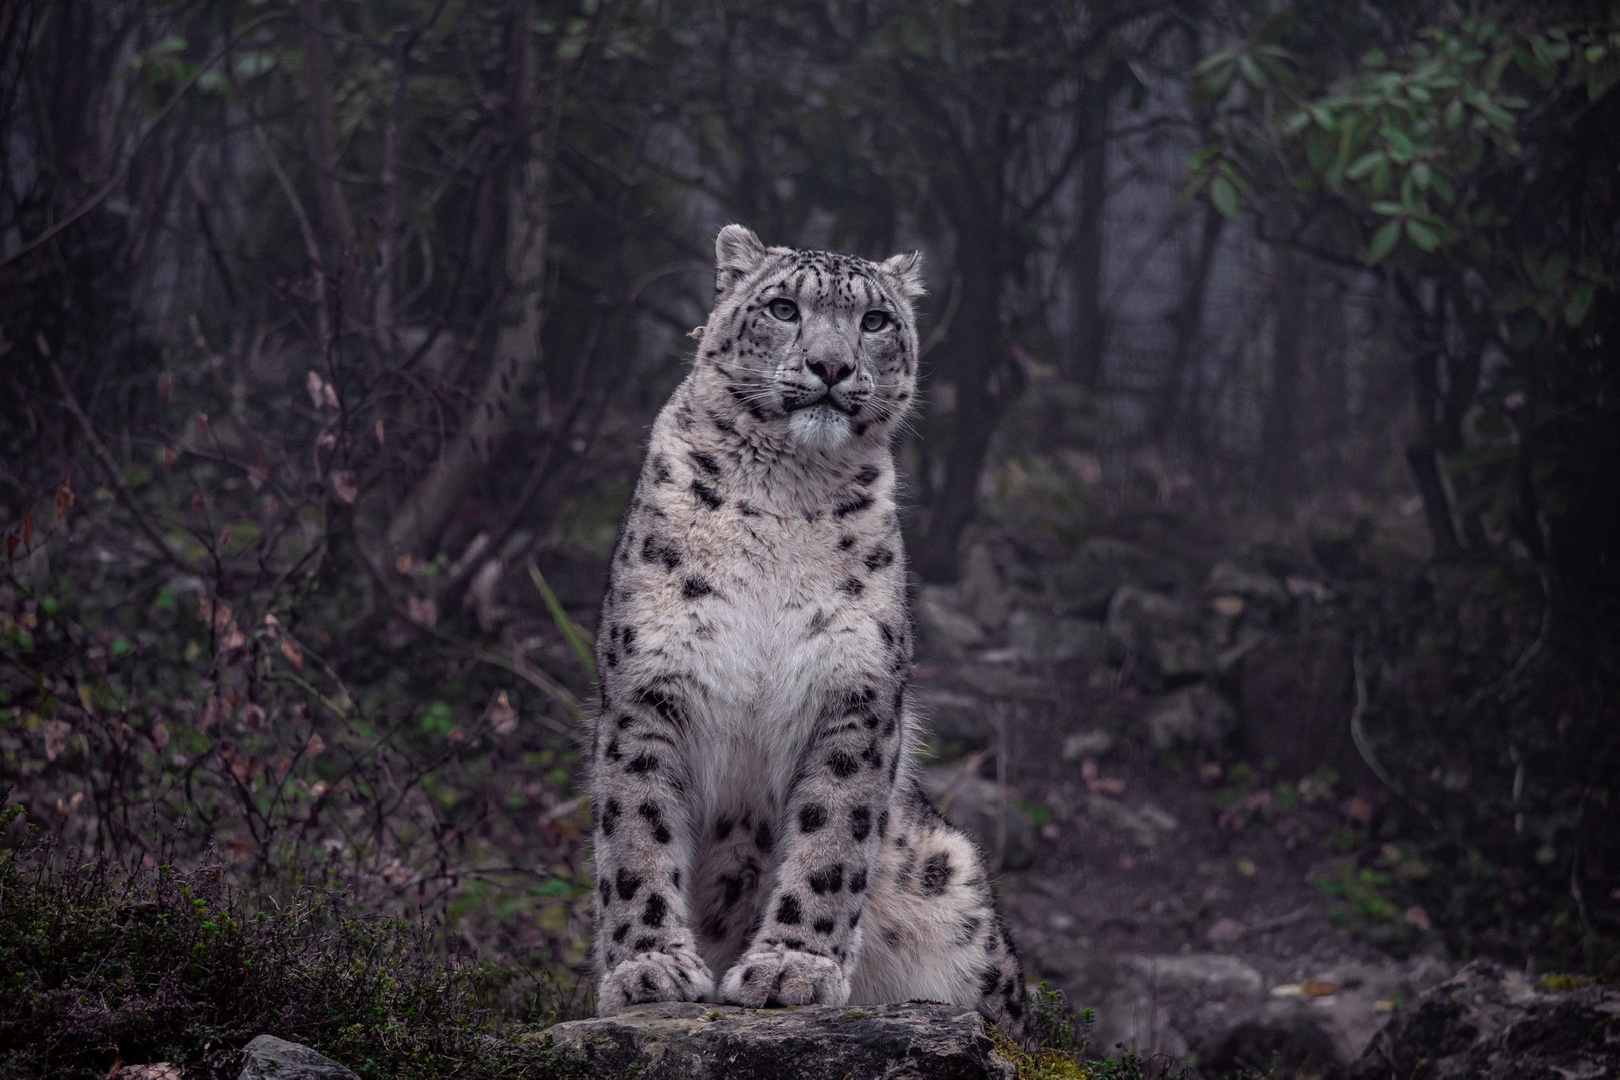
(270, 1058)
(695, 1041)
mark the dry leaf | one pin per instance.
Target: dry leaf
(28, 530)
(233, 638)
(1225, 931)
(502, 717)
(57, 733)
(202, 422)
(1107, 785)
(423, 612)
(1359, 808)
(160, 734)
(315, 745)
(64, 500)
(315, 385)
(1418, 917)
(253, 716)
(293, 652)
(380, 440)
(403, 563)
(345, 486)
(214, 710)
(241, 846)
(1318, 988)
(65, 807)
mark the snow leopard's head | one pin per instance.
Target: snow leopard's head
(819, 345)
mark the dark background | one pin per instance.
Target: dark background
(1270, 376)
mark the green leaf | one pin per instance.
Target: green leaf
(572, 634)
(1365, 164)
(1383, 241)
(1580, 303)
(1224, 196)
(1553, 270)
(1251, 71)
(1422, 235)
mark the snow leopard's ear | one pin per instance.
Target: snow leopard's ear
(905, 270)
(737, 252)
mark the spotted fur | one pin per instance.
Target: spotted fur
(756, 813)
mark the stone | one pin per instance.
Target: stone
(1142, 827)
(939, 612)
(996, 681)
(984, 594)
(1195, 716)
(1128, 1012)
(1159, 629)
(1202, 973)
(1039, 638)
(1289, 1044)
(1255, 585)
(1295, 695)
(1085, 585)
(270, 1058)
(1488, 1022)
(958, 721)
(1087, 744)
(977, 807)
(696, 1041)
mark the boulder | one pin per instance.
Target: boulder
(1203, 973)
(1160, 630)
(944, 623)
(1233, 580)
(1196, 716)
(958, 721)
(1039, 638)
(984, 594)
(978, 807)
(1490, 1022)
(270, 1058)
(1295, 696)
(1092, 743)
(1085, 585)
(695, 1041)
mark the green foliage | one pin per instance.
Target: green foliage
(1061, 1047)
(101, 964)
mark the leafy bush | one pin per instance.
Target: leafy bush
(101, 964)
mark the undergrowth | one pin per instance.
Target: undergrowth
(1061, 1048)
(101, 964)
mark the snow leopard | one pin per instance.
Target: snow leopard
(757, 817)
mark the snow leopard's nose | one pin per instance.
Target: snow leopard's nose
(830, 372)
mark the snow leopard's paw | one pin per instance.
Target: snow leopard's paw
(777, 976)
(674, 973)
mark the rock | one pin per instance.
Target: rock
(1128, 1012)
(270, 1058)
(984, 595)
(1256, 585)
(1295, 696)
(995, 681)
(1046, 639)
(1202, 973)
(1491, 1022)
(958, 721)
(1140, 826)
(976, 806)
(694, 1041)
(939, 611)
(1087, 744)
(1085, 585)
(1291, 1044)
(1158, 628)
(1196, 716)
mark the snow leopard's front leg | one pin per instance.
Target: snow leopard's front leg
(809, 936)
(646, 950)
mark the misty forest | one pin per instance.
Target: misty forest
(1261, 498)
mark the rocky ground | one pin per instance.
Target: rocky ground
(1156, 745)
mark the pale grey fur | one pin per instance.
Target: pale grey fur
(757, 817)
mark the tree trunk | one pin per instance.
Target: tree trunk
(975, 365)
(1187, 321)
(1279, 436)
(417, 524)
(1091, 324)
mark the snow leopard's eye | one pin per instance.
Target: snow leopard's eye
(874, 321)
(786, 310)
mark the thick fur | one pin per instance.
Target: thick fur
(756, 816)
